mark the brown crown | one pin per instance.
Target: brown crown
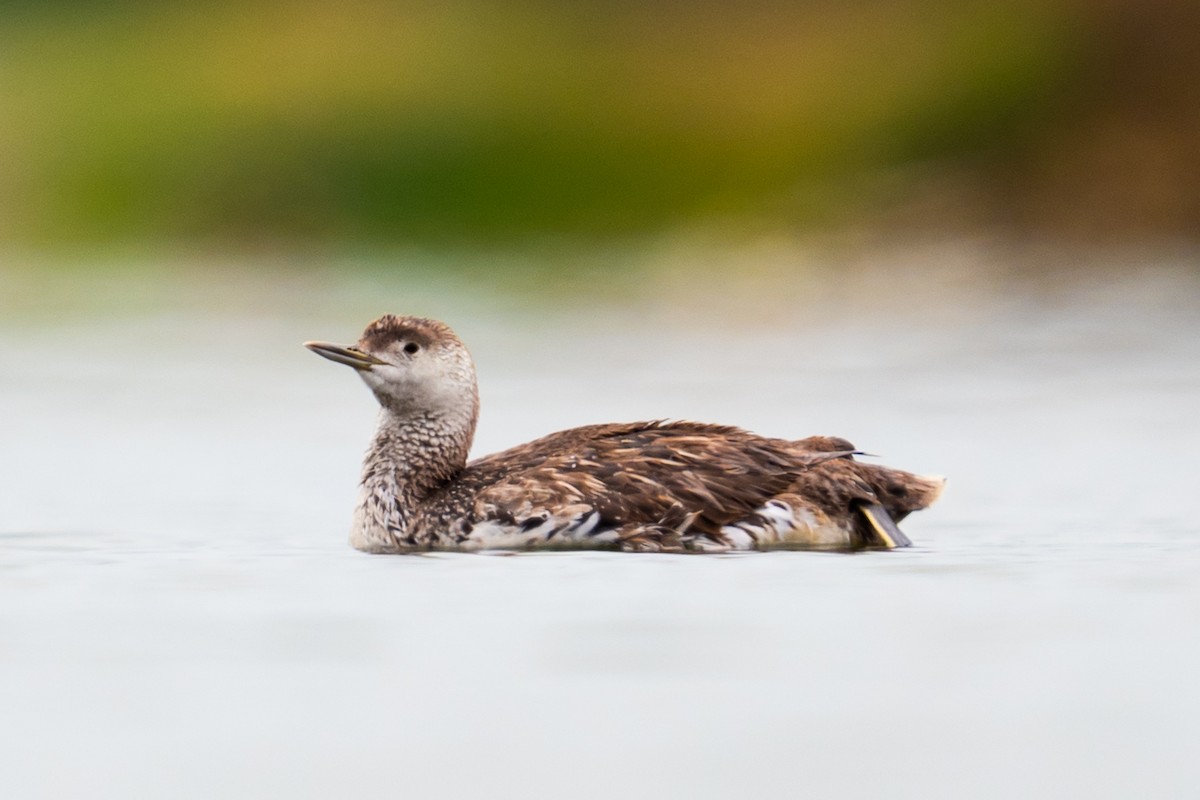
(389, 329)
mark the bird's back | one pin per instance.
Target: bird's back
(660, 485)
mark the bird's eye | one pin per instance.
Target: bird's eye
(411, 348)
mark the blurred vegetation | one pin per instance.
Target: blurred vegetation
(471, 120)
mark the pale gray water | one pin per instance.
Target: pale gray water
(180, 615)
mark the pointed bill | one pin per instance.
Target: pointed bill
(350, 356)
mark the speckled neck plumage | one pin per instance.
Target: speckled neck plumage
(412, 454)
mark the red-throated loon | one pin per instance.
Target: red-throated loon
(642, 486)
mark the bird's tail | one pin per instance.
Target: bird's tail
(876, 527)
(898, 494)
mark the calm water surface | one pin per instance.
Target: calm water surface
(180, 615)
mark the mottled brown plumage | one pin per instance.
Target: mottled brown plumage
(636, 486)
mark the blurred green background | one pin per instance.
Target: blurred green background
(286, 124)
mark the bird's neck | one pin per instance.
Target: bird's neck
(412, 455)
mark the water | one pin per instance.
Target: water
(180, 615)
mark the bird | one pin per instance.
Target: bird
(653, 486)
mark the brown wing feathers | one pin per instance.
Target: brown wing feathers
(677, 476)
(671, 474)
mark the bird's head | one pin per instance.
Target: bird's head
(413, 365)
